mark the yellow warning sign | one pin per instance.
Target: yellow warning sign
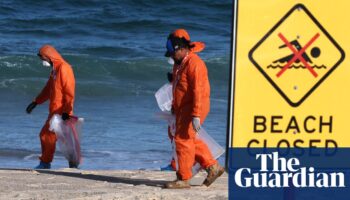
(296, 55)
(289, 82)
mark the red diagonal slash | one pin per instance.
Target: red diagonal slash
(297, 55)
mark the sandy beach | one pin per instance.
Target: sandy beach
(113, 184)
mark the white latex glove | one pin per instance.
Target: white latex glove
(196, 122)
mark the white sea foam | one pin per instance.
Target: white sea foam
(31, 157)
(6, 82)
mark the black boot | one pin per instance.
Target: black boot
(73, 165)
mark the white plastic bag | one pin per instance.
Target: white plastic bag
(170, 118)
(215, 149)
(164, 97)
(68, 136)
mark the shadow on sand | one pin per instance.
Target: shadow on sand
(153, 183)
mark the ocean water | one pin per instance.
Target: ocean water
(117, 50)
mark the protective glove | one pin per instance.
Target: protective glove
(30, 107)
(65, 116)
(196, 122)
(170, 77)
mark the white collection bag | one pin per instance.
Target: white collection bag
(68, 136)
(164, 97)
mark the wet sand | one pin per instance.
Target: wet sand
(114, 184)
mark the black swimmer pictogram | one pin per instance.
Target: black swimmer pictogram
(315, 52)
(299, 54)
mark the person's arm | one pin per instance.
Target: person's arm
(196, 76)
(68, 87)
(45, 93)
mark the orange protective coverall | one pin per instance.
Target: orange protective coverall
(191, 99)
(59, 90)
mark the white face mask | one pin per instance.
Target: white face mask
(46, 64)
(171, 61)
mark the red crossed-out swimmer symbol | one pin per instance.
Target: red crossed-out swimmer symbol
(297, 55)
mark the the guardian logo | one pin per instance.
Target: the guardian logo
(286, 173)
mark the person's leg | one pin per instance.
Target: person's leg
(208, 162)
(185, 152)
(203, 155)
(48, 143)
(172, 164)
(205, 158)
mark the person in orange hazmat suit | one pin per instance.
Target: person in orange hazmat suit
(60, 91)
(191, 105)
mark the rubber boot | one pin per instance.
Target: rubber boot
(73, 165)
(178, 184)
(167, 168)
(214, 172)
(43, 165)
